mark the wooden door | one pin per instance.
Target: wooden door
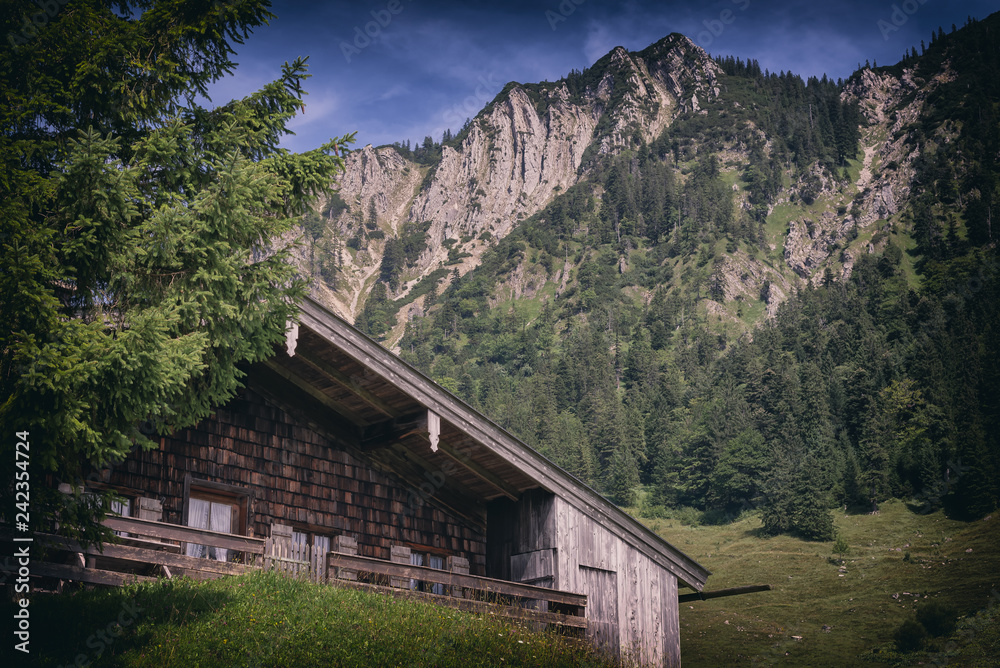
(601, 588)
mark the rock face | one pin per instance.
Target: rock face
(891, 106)
(512, 162)
(535, 141)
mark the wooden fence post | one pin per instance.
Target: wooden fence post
(400, 555)
(457, 565)
(343, 545)
(277, 547)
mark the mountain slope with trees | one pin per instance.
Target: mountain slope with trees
(785, 300)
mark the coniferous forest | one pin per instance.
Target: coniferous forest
(877, 386)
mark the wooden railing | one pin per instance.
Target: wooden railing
(467, 592)
(150, 550)
(177, 532)
(153, 549)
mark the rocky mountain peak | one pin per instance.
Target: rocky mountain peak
(521, 150)
(534, 142)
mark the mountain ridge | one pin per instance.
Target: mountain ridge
(784, 299)
(511, 162)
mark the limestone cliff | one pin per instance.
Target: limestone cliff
(512, 161)
(535, 141)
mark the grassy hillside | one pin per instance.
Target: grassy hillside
(826, 609)
(268, 620)
(831, 609)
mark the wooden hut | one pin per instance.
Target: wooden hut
(336, 442)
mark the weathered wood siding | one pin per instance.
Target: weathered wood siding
(631, 601)
(521, 539)
(294, 476)
(643, 593)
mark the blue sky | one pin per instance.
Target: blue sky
(430, 65)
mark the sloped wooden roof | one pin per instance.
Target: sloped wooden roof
(375, 405)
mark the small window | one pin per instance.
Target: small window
(122, 508)
(313, 549)
(319, 544)
(431, 561)
(215, 507)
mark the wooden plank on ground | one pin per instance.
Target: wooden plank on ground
(719, 593)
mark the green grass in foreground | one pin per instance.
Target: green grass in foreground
(265, 619)
(825, 609)
(824, 612)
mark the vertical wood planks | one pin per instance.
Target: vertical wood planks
(639, 612)
(671, 623)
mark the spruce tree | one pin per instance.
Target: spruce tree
(141, 239)
(738, 478)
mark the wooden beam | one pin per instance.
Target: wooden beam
(483, 474)
(469, 605)
(229, 541)
(88, 575)
(348, 382)
(452, 579)
(307, 387)
(719, 593)
(383, 434)
(148, 556)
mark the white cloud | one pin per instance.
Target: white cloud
(392, 91)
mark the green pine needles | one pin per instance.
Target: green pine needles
(145, 239)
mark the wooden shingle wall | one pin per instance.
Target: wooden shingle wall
(294, 476)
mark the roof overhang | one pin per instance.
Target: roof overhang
(376, 405)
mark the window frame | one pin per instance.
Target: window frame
(425, 554)
(238, 498)
(219, 492)
(311, 536)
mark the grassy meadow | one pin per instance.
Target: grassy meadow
(829, 609)
(826, 609)
(267, 620)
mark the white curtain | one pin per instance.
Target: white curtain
(416, 559)
(435, 561)
(222, 520)
(198, 517)
(214, 517)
